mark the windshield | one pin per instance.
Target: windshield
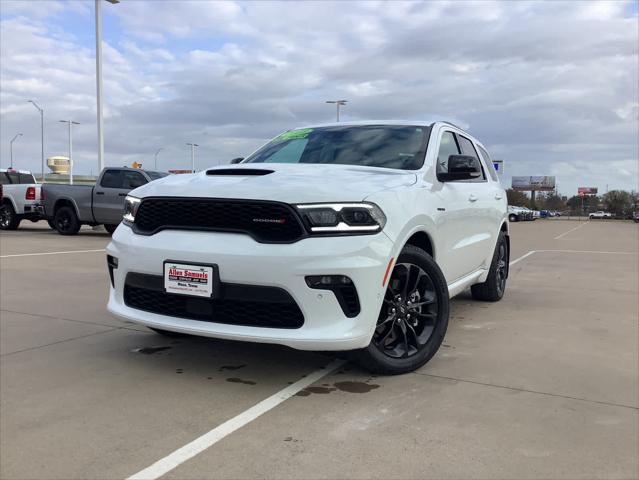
(387, 146)
(155, 175)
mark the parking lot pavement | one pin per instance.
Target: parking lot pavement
(543, 384)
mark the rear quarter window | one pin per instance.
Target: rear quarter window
(489, 164)
(26, 178)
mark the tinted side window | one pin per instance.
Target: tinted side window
(112, 179)
(489, 164)
(13, 177)
(26, 178)
(4, 179)
(133, 179)
(447, 147)
(467, 148)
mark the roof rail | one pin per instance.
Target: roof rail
(451, 124)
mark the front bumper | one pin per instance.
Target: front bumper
(241, 260)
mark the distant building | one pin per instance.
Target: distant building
(59, 164)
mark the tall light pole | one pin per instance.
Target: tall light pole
(71, 123)
(11, 148)
(98, 77)
(155, 165)
(41, 110)
(337, 103)
(193, 145)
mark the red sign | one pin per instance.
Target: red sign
(581, 191)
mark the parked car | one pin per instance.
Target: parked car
(635, 217)
(350, 236)
(519, 214)
(70, 206)
(21, 198)
(600, 214)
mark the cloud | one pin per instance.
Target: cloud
(550, 87)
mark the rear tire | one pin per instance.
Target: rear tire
(413, 318)
(110, 228)
(9, 220)
(512, 217)
(66, 221)
(492, 290)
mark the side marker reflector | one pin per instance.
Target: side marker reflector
(390, 264)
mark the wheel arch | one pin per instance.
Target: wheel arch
(421, 239)
(8, 200)
(65, 202)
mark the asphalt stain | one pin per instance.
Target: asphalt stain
(179, 370)
(349, 387)
(320, 390)
(355, 387)
(149, 350)
(231, 367)
(239, 380)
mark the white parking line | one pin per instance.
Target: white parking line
(521, 258)
(50, 253)
(569, 251)
(188, 451)
(571, 230)
(590, 251)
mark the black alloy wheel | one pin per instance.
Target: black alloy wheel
(8, 218)
(66, 221)
(493, 289)
(413, 316)
(502, 268)
(409, 313)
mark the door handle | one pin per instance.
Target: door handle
(99, 193)
(498, 196)
(472, 198)
(121, 194)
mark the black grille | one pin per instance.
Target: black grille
(266, 222)
(247, 305)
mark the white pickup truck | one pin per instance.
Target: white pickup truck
(21, 198)
(348, 236)
(600, 214)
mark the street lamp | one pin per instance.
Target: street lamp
(71, 123)
(193, 145)
(156, 158)
(41, 110)
(98, 77)
(11, 148)
(337, 103)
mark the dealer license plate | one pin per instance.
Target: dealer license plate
(188, 279)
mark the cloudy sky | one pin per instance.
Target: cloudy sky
(550, 87)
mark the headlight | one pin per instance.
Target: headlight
(131, 205)
(342, 217)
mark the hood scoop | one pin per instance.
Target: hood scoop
(238, 172)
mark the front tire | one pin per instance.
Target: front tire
(110, 228)
(9, 220)
(413, 318)
(66, 221)
(492, 290)
(512, 217)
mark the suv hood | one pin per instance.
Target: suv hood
(289, 183)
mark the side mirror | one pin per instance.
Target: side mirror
(237, 160)
(461, 167)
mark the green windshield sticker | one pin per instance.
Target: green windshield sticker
(295, 134)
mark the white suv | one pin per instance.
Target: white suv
(348, 236)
